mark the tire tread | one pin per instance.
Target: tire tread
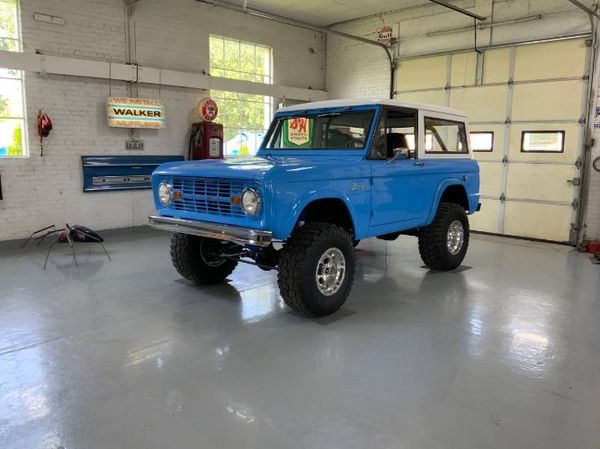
(292, 263)
(432, 239)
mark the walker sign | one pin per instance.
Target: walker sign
(135, 113)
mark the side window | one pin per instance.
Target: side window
(445, 136)
(396, 130)
(543, 142)
(482, 141)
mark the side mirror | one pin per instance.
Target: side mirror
(400, 153)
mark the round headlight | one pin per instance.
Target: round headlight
(165, 193)
(250, 202)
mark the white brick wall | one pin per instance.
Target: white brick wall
(41, 191)
(358, 70)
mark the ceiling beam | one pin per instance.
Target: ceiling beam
(445, 4)
(585, 8)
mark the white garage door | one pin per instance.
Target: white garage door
(526, 105)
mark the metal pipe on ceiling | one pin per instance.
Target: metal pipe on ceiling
(445, 4)
(583, 7)
(293, 22)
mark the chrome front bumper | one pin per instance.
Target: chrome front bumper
(242, 236)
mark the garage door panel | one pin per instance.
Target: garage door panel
(551, 60)
(547, 95)
(541, 182)
(486, 220)
(559, 100)
(464, 68)
(497, 142)
(545, 221)
(490, 174)
(496, 65)
(481, 104)
(422, 73)
(434, 97)
(571, 144)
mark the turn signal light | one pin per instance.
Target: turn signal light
(236, 200)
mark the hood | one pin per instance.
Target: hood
(247, 168)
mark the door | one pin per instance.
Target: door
(527, 108)
(396, 196)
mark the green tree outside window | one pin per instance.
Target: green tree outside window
(244, 116)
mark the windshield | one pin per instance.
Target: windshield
(347, 130)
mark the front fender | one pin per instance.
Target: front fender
(290, 199)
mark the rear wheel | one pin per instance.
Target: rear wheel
(443, 244)
(316, 269)
(200, 259)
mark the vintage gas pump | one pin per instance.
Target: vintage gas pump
(206, 139)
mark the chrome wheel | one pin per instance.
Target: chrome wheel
(210, 252)
(455, 237)
(331, 271)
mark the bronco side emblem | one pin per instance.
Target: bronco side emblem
(355, 187)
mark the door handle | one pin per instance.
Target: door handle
(420, 163)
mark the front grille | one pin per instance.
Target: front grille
(208, 195)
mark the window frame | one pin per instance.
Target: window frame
(543, 131)
(450, 121)
(382, 121)
(224, 39)
(275, 130)
(491, 150)
(268, 102)
(238, 75)
(442, 116)
(21, 78)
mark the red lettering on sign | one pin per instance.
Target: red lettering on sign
(299, 124)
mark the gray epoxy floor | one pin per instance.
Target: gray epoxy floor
(503, 353)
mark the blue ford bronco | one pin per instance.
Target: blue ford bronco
(328, 174)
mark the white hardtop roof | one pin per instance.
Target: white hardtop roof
(370, 101)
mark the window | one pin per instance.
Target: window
(482, 141)
(245, 120)
(230, 58)
(447, 136)
(543, 142)
(329, 131)
(245, 117)
(12, 104)
(396, 130)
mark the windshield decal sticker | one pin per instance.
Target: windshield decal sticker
(297, 132)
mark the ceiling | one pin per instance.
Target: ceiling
(326, 12)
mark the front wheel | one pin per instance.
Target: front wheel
(443, 244)
(316, 269)
(199, 259)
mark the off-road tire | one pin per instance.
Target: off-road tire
(298, 264)
(433, 238)
(187, 260)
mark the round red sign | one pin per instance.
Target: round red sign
(208, 109)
